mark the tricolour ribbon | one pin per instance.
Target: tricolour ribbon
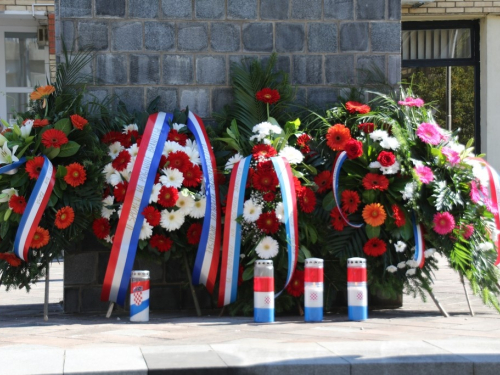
(232, 232)
(419, 242)
(137, 197)
(207, 257)
(34, 208)
(337, 166)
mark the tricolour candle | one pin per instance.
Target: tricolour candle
(263, 294)
(313, 290)
(357, 293)
(139, 296)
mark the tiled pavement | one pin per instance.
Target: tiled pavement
(415, 339)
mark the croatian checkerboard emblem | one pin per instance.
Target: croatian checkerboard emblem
(360, 296)
(138, 295)
(267, 300)
(314, 296)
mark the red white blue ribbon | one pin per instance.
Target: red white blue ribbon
(129, 226)
(232, 233)
(337, 167)
(419, 242)
(34, 208)
(207, 257)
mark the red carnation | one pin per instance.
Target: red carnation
(54, 138)
(175, 136)
(101, 228)
(120, 191)
(386, 158)
(307, 200)
(17, 203)
(78, 121)
(263, 151)
(152, 216)
(399, 216)
(160, 242)
(367, 127)
(192, 176)
(268, 222)
(179, 160)
(353, 148)
(168, 196)
(269, 196)
(296, 286)
(373, 181)
(375, 247)
(121, 161)
(324, 181)
(194, 233)
(354, 107)
(268, 96)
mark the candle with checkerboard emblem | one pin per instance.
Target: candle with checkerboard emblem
(313, 290)
(139, 296)
(263, 291)
(357, 293)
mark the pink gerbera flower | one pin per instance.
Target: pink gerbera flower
(452, 156)
(468, 230)
(424, 174)
(412, 102)
(491, 207)
(474, 192)
(429, 133)
(443, 223)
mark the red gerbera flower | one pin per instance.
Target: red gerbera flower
(175, 136)
(17, 204)
(194, 233)
(324, 181)
(40, 123)
(263, 151)
(338, 222)
(75, 174)
(268, 96)
(337, 137)
(296, 286)
(268, 222)
(121, 161)
(128, 138)
(101, 228)
(375, 247)
(303, 140)
(269, 196)
(112, 137)
(354, 107)
(34, 167)
(163, 161)
(350, 201)
(64, 217)
(373, 181)
(265, 180)
(192, 176)
(265, 166)
(168, 196)
(307, 200)
(179, 160)
(12, 259)
(161, 242)
(399, 216)
(367, 127)
(54, 138)
(78, 121)
(40, 238)
(353, 148)
(251, 172)
(120, 191)
(152, 216)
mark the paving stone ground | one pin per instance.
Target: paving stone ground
(413, 338)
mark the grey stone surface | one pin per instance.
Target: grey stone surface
(242, 9)
(339, 69)
(71, 300)
(321, 97)
(126, 36)
(143, 9)
(211, 70)
(370, 9)
(93, 34)
(210, 9)
(220, 98)
(103, 259)
(159, 36)
(155, 269)
(290, 37)
(174, 270)
(371, 70)
(110, 8)
(144, 69)
(192, 36)
(197, 100)
(394, 69)
(80, 268)
(310, 9)
(105, 360)
(176, 9)
(258, 37)
(165, 298)
(339, 9)
(68, 34)
(177, 69)
(111, 69)
(76, 8)
(274, 9)
(282, 63)
(307, 70)
(354, 36)
(31, 359)
(204, 298)
(168, 98)
(133, 97)
(394, 9)
(386, 37)
(225, 37)
(91, 300)
(241, 59)
(322, 37)
(95, 95)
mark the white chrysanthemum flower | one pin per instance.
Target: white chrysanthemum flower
(267, 248)
(7, 194)
(198, 210)
(108, 170)
(133, 150)
(173, 178)
(171, 147)
(375, 164)
(390, 143)
(105, 211)
(130, 164)
(171, 220)
(191, 150)
(378, 135)
(485, 246)
(265, 129)
(26, 129)
(114, 149)
(429, 252)
(146, 230)
(391, 269)
(154, 193)
(251, 211)
(401, 265)
(130, 128)
(185, 203)
(400, 246)
(409, 190)
(411, 272)
(127, 172)
(393, 169)
(177, 126)
(280, 212)
(291, 154)
(232, 161)
(115, 178)
(412, 263)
